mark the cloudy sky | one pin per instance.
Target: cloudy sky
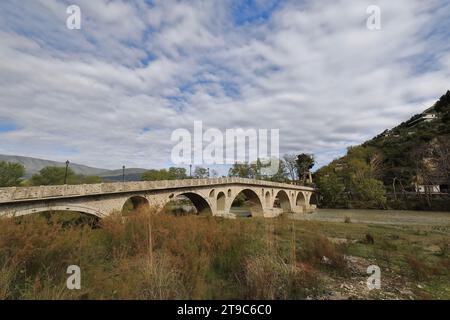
(113, 92)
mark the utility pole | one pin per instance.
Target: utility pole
(123, 173)
(393, 186)
(190, 170)
(65, 174)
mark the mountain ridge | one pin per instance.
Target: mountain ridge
(34, 165)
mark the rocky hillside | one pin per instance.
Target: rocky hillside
(416, 150)
(408, 164)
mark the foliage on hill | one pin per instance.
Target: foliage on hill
(56, 176)
(164, 174)
(11, 174)
(417, 152)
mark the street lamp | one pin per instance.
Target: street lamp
(65, 174)
(123, 173)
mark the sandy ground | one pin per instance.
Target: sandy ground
(379, 216)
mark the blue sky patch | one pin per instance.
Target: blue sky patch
(254, 11)
(6, 126)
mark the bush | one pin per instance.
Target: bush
(322, 252)
(269, 277)
(369, 239)
(420, 270)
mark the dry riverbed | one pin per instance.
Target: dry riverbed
(411, 248)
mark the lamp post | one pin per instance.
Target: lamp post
(123, 173)
(65, 174)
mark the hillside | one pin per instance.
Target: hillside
(406, 163)
(423, 138)
(34, 165)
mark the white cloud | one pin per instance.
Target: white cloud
(113, 92)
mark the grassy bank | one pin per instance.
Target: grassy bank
(151, 255)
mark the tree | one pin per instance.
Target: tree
(255, 170)
(290, 164)
(80, 179)
(281, 175)
(200, 173)
(53, 176)
(442, 152)
(11, 174)
(304, 162)
(241, 170)
(331, 189)
(177, 173)
(155, 175)
(370, 192)
(246, 170)
(214, 173)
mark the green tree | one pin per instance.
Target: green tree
(173, 173)
(200, 173)
(177, 173)
(255, 171)
(53, 176)
(305, 162)
(331, 189)
(282, 174)
(155, 175)
(11, 174)
(241, 170)
(369, 192)
(80, 179)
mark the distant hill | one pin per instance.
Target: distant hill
(413, 156)
(423, 138)
(34, 165)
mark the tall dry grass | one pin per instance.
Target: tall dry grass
(270, 277)
(151, 255)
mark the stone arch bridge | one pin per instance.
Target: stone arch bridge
(209, 196)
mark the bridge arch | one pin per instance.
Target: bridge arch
(314, 199)
(135, 203)
(300, 200)
(221, 201)
(284, 202)
(253, 202)
(70, 207)
(200, 203)
(267, 199)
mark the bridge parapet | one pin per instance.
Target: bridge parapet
(14, 194)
